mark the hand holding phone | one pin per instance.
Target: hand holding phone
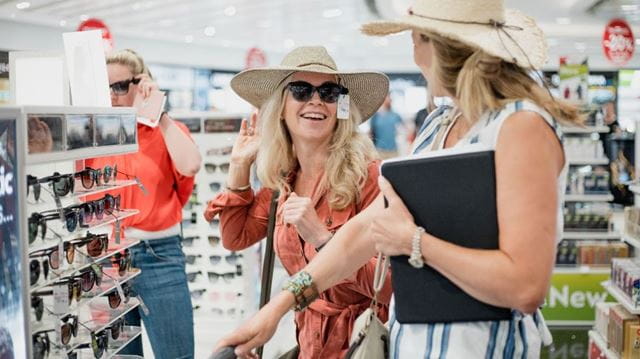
(149, 109)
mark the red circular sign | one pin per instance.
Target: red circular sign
(255, 58)
(618, 42)
(96, 24)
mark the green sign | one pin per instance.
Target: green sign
(573, 296)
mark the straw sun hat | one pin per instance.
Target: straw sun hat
(367, 90)
(484, 24)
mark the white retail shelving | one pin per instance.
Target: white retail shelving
(621, 297)
(588, 197)
(590, 235)
(602, 344)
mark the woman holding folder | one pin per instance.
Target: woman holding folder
(481, 55)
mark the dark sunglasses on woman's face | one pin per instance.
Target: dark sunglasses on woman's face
(302, 91)
(121, 88)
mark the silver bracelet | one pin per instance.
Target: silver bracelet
(416, 248)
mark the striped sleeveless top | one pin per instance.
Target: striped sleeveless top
(523, 335)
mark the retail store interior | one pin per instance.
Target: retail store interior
(193, 49)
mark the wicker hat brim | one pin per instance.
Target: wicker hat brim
(527, 47)
(367, 90)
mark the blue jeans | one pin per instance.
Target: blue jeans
(162, 285)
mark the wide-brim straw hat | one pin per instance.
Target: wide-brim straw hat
(487, 25)
(367, 89)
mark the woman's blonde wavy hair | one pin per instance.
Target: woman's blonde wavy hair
(130, 59)
(482, 82)
(349, 153)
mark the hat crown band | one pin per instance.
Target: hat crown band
(461, 10)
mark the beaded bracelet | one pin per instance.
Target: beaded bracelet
(303, 289)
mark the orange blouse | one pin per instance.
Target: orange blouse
(324, 328)
(167, 190)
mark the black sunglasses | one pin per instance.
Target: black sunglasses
(41, 344)
(53, 255)
(121, 88)
(89, 278)
(302, 91)
(191, 258)
(73, 216)
(96, 244)
(196, 294)
(62, 184)
(228, 276)
(34, 270)
(122, 261)
(188, 241)
(91, 177)
(37, 304)
(191, 277)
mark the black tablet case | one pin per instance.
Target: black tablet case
(454, 198)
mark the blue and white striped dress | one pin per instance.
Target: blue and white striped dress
(520, 337)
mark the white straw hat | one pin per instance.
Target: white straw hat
(367, 90)
(483, 24)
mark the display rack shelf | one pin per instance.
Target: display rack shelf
(588, 197)
(630, 240)
(588, 161)
(80, 192)
(113, 248)
(590, 235)
(635, 188)
(602, 344)
(621, 297)
(106, 220)
(131, 333)
(98, 325)
(582, 270)
(586, 129)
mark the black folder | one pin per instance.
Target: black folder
(453, 196)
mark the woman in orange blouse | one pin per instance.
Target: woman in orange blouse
(166, 163)
(325, 171)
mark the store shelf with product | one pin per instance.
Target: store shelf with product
(587, 161)
(581, 269)
(591, 235)
(602, 345)
(585, 129)
(621, 297)
(588, 197)
(69, 208)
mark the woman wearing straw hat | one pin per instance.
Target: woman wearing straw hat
(308, 148)
(480, 54)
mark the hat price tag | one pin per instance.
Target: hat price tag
(58, 202)
(60, 299)
(343, 107)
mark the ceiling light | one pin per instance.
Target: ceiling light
(226, 43)
(580, 46)
(630, 8)
(637, 42)
(188, 39)
(63, 22)
(148, 4)
(84, 17)
(23, 5)
(552, 41)
(209, 31)
(331, 13)
(336, 38)
(264, 24)
(563, 20)
(289, 44)
(230, 10)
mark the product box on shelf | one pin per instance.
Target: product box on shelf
(602, 317)
(620, 321)
(631, 348)
(595, 352)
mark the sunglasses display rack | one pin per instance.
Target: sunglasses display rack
(224, 284)
(78, 266)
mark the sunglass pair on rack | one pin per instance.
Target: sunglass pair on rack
(63, 184)
(215, 259)
(215, 276)
(214, 241)
(79, 215)
(99, 341)
(216, 295)
(85, 280)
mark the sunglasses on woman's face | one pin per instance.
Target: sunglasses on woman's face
(121, 88)
(303, 91)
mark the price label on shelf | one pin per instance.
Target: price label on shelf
(60, 299)
(116, 231)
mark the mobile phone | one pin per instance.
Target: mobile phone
(149, 109)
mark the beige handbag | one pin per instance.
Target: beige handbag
(370, 337)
